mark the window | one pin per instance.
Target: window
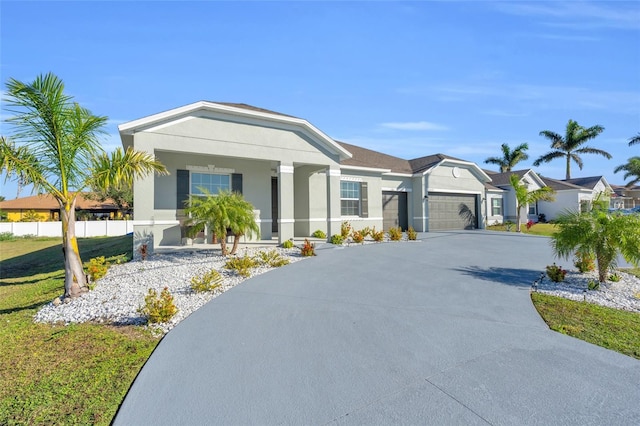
(533, 210)
(213, 183)
(349, 198)
(496, 207)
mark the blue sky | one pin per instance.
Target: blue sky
(405, 78)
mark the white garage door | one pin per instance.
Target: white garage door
(452, 211)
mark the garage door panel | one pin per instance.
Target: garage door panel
(452, 211)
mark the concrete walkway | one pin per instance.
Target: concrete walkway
(440, 331)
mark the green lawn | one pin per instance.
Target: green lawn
(610, 328)
(544, 229)
(49, 374)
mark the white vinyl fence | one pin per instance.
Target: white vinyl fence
(94, 228)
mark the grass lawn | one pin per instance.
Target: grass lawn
(610, 328)
(76, 374)
(544, 229)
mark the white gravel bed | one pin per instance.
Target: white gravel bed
(119, 294)
(624, 294)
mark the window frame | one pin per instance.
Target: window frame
(494, 207)
(358, 185)
(220, 188)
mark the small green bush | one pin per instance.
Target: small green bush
(378, 236)
(308, 249)
(287, 244)
(272, 259)
(412, 235)
(615, 277)
(556, 273)
(97, 268)
(337, 239)
(593, 285)
(242, 265)
(345, 230)
(366, 231)
(207, 282)
(395, 233)
(357, 236)
(7, 236)
(585, 261)
(158, 308)
(319, 234)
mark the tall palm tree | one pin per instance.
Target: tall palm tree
(56, 149)
(570, 146)
(509, 158)
(525, 197)
(631, 169)
(634, 140)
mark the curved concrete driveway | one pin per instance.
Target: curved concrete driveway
(441, 331)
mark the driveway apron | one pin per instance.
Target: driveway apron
(438, 331)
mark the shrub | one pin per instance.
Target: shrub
(585, 261)
(144, 251)
(395, 233)
(272, 258)
(337, 239)
(30, 216)
(287, 244)
(345, 230)
(412, 235)
(319, 234)
(530, 224)
(158, 308)
(615, 277)
(7, 236)
(593, 285)
(207, 282)
(556, 273)
(357, 236)
(308, 249)
(242, 265)
(366, 231)
(378, 236)
(97, 268)
(508, 225)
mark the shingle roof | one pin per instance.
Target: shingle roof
(363, 157)
(252, 108)
(424, 163)
(47, 202)
(559, 185)
(585, 182)
(500, 179)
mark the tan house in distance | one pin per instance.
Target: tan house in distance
(47, 208)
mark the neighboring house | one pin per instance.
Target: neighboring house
(47, 208)
(297, 178)
(501, 198)
(577, 194)
(624, 198)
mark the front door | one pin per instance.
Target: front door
(394, 210)
(274, 205)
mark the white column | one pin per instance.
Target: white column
(333, 202)
(285, 202)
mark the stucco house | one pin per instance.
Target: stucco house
(625, 197)
(501, 198)
(576, 194)
(45, 207)
(298, 178)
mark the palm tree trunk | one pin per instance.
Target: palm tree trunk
(223, 244)
(75, 282)
(236, 239)
(568, 167)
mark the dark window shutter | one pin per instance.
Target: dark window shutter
(364, 199)
(236, 182)
(182, 189)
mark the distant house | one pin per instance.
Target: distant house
(501, 196)
(46, 208)
(624, 198)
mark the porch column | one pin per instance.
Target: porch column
(144, 215)
(333, 202)
(419, 204)
(285, 202)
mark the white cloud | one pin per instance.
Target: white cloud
(578, 15)
(414, 125)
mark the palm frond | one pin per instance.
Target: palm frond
(634, 140)
(549, 156)
(122, 168)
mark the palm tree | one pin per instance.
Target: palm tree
(509, 158)
(599, 234)
(570, 146)
(525, 197)
(224, 213)
(634, 140)
(631, 169)
(56, 149)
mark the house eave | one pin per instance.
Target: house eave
(365, 169)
